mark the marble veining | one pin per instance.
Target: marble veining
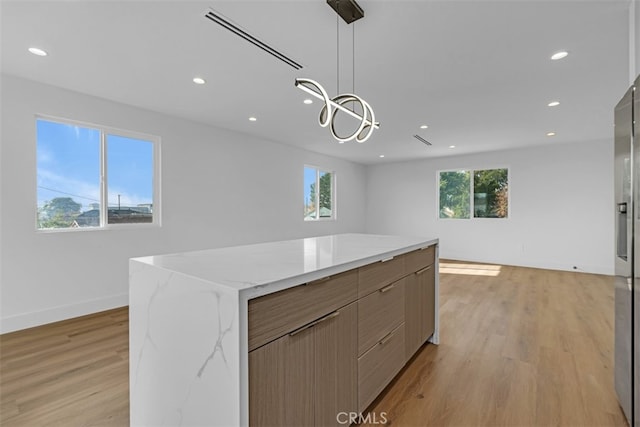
(184, 343)
(218, 348)
(148, 339)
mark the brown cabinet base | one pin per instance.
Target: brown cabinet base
(419, 308)
(307, 377)
(331, 347)
(378, 366)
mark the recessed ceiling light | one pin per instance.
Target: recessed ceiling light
(553, 103)
(199, 80)
(559, 55)
(424, 127)
(37, 51)
(252, 119)
(452, 146)
(551, 134)
(381, 156)
(308, 101)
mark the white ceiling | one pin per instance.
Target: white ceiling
(477, 72)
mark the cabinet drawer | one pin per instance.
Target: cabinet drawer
(378, 366)
(419, 259)
(379, 274)
(379, 313)
(274, 315)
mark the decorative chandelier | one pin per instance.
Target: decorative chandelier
(350, 11)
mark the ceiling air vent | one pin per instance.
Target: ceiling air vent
(226, 23)
(421, 139)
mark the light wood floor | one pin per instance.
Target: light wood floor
(70, 373)
(519, 347)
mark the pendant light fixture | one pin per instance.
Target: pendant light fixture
(349, 11)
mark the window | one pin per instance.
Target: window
(483, 192)
(72, 158)
(318, 194)
(454, 194)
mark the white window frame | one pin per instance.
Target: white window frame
(156, 218)
(318, 170)
(471, 198)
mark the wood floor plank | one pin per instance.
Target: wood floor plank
(70, 373)
(558, 398)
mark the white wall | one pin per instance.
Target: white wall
(219, 188)
(561, 207)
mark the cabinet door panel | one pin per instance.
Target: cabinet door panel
(419, 309)
(413, 317)
(378, 366)
(427, 281)
(419, 259)
(379, 313)
(281, 377)
(336, 370)
(379, 274)
(273, 315)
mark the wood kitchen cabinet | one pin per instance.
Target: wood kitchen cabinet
(281, 382)
(378, 366)
(332, 345)
(381, 347)
(379, 313)
(427, 284)
(307, 376)
(279, 313)
(419, 299)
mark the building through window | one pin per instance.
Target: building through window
(89, 176)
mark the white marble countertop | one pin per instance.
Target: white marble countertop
(249, 269)
(188, 319)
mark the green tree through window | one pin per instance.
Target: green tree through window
(318, 204)
(59, 212)
(454, 194)
(490, 193)
(486, 190)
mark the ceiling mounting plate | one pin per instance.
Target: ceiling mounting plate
(348, 10)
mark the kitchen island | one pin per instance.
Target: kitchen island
(205, 326)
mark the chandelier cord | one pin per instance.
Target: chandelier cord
(337, 51)
(353, 63)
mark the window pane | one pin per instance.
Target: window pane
(130, 180)
(455, 194)
(68, 164)
(491, 193)
(325, 195)
(309, 193)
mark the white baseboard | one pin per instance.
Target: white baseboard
(525, 262)
(55, 314)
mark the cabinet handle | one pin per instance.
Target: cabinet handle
(423, 270)
(387, 259)
(426, 247)
(387, 338)
(315, 282)
(314, 323)
(388, 288)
